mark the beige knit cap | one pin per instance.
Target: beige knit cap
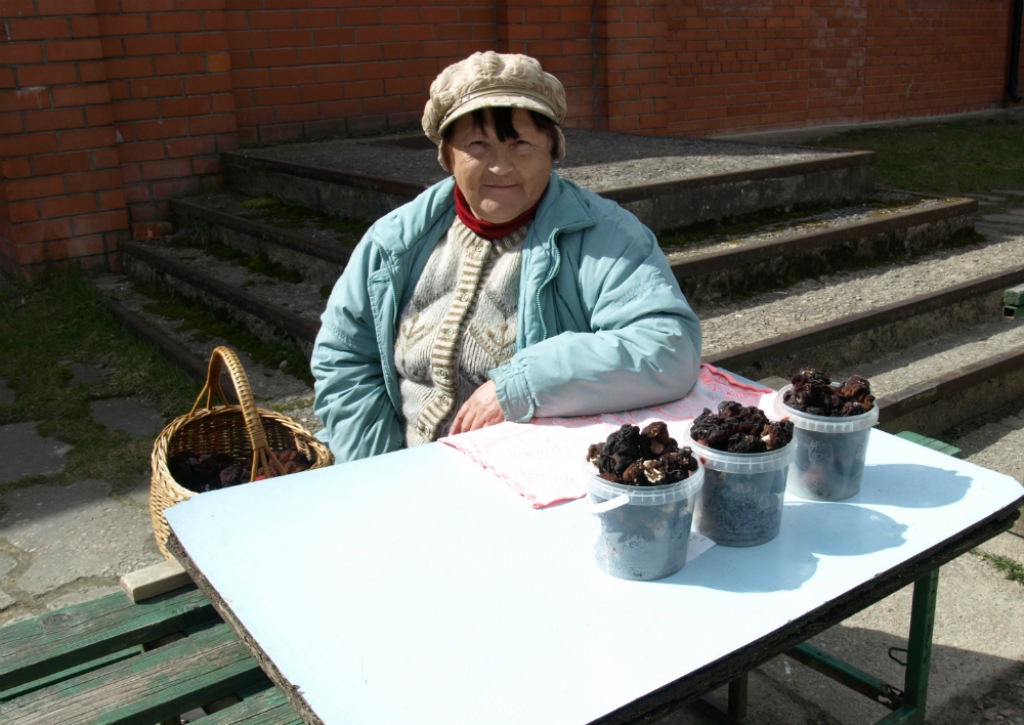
(489, 80)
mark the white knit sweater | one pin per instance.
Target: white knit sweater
(459, 324)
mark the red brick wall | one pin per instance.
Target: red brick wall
(168, 72)
(793, 63)
(60, 187)
(109, 108)
(305, 67)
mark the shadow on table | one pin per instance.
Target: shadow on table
(911, 486)
(789, 560)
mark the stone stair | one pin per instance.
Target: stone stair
(791, 257)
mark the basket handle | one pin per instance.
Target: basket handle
(224, 356)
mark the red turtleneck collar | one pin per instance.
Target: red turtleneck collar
(485, 229)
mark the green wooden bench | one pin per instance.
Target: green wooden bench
(114, 662)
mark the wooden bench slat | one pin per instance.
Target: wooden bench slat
(69, 673)
(268, 707)
(45, 645)
(154, 686)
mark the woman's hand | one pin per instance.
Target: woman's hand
(481, 410)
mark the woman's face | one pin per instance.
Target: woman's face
(500, 179)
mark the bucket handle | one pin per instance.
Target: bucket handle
(599, 508)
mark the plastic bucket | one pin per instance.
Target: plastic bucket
(642, 531)
(828, 460)
(740, 503)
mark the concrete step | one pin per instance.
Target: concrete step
(778, 252)
(711, 260)
(314, 244)
(935, 358)
(273, 310)
(667, 182)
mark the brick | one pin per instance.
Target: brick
(42, 231)
(275, 58)
(136, 193)
(15, 168)
(179, 22)
(67, 205)
(123, 25)
(47, 75)
(151, 230)
(180, 64)
(85, 27)
(188, 147)
(91, 72)
(336, 74)
(211, 124)
(16, 8)
(334, 36)
(141, 151)
(81, 95)
(54, 119)
(218, 63)
(172, 107)
(319, 56)
(203, 42)
(292, 76)
(24, 99)
(108, 200)
(20, 53)
(277, 96)
(134, 110)
(26, 211)
(170, 169)
(6, 78)
(101, 222)
(64, 50)
(99, 115)
(149, 130)
(267, 20)
(151, 45)
(316, 19)
(66, 7)
(129, 67)
(61, 163)
(37, 29)
(74, 248)
(155, 88)
(207, 165)
(322, 92)
(105, 159)
(93, 180)
(79, 139)
(289, 38)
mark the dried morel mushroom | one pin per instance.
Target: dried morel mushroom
(209, 472)
(814, 393)
(738, 429)
(648, 457)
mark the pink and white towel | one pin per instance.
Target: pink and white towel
(543, 460)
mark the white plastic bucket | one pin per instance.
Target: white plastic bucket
(828, 456)
(642, 531)
(740, 503)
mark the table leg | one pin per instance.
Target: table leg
(919, 654)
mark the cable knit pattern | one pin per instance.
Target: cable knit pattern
(459, 324)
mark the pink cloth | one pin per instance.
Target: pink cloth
(544, 460)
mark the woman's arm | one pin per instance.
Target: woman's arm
(351, 397)
(643, 344)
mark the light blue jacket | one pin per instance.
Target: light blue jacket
(602, 324)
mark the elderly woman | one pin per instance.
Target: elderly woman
(501, 294)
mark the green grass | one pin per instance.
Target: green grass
(64, 320)
(959, 157)
(1013, 570)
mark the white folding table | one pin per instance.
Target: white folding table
(416, 588)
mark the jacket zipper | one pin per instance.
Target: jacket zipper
(554, 268)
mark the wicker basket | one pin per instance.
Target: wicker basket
(242, 431)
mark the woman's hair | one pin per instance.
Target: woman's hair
(501, 117)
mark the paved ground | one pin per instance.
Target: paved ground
(63, 544)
